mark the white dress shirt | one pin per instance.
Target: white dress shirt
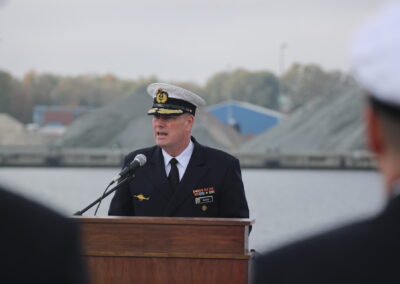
(183, 160)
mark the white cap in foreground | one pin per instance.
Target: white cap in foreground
(375, 55)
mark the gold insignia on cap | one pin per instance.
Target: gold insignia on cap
(141, 197)
(165, 111)
(204, 207)
(161, 96)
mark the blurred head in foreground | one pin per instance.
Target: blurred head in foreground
(363, 251)
(375, 57)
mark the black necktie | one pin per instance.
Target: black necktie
(173, 175)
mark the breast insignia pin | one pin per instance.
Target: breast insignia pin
(141, 197)
(204, 207)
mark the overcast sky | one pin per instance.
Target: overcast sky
(176, 39)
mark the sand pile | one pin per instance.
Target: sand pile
(13, 133)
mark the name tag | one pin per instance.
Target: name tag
(204, 199)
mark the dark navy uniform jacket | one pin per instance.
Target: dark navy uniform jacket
(364, 252)
(211, 187)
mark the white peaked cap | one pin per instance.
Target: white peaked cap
(176, 93)
(375, 55)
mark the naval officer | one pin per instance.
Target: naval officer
(366, 251)
(181, 178)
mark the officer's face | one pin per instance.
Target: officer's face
(172, 133)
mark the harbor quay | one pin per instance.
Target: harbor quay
(105, 157)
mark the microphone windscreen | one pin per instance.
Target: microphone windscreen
(141, 159)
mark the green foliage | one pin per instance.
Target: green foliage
(302, 83)
(6, 90)
(260, 88)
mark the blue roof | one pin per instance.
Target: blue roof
(40, 110)
(251, 119)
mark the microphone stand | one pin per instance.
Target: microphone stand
(104, 195)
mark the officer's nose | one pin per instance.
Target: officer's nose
(158, 121)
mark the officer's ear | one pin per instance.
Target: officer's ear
(374, 131)
(190, 120)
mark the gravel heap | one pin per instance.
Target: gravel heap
(329, 124)
(124, 124)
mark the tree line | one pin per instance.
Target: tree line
(296, 86)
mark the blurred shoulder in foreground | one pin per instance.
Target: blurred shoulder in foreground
(37, 245)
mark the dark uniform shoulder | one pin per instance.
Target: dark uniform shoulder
(20, 214)
(219, 154)
(329, 242)
(339, 249)
(16, 205)
(38, 239)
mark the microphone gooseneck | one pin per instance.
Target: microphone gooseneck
(126, 174)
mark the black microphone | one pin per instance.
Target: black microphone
(139, 161)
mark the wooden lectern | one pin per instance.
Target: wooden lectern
(166, 250)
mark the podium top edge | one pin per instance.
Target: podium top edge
(166, 220)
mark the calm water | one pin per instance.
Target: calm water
(286, 204)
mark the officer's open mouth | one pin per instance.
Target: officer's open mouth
(161, 133)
